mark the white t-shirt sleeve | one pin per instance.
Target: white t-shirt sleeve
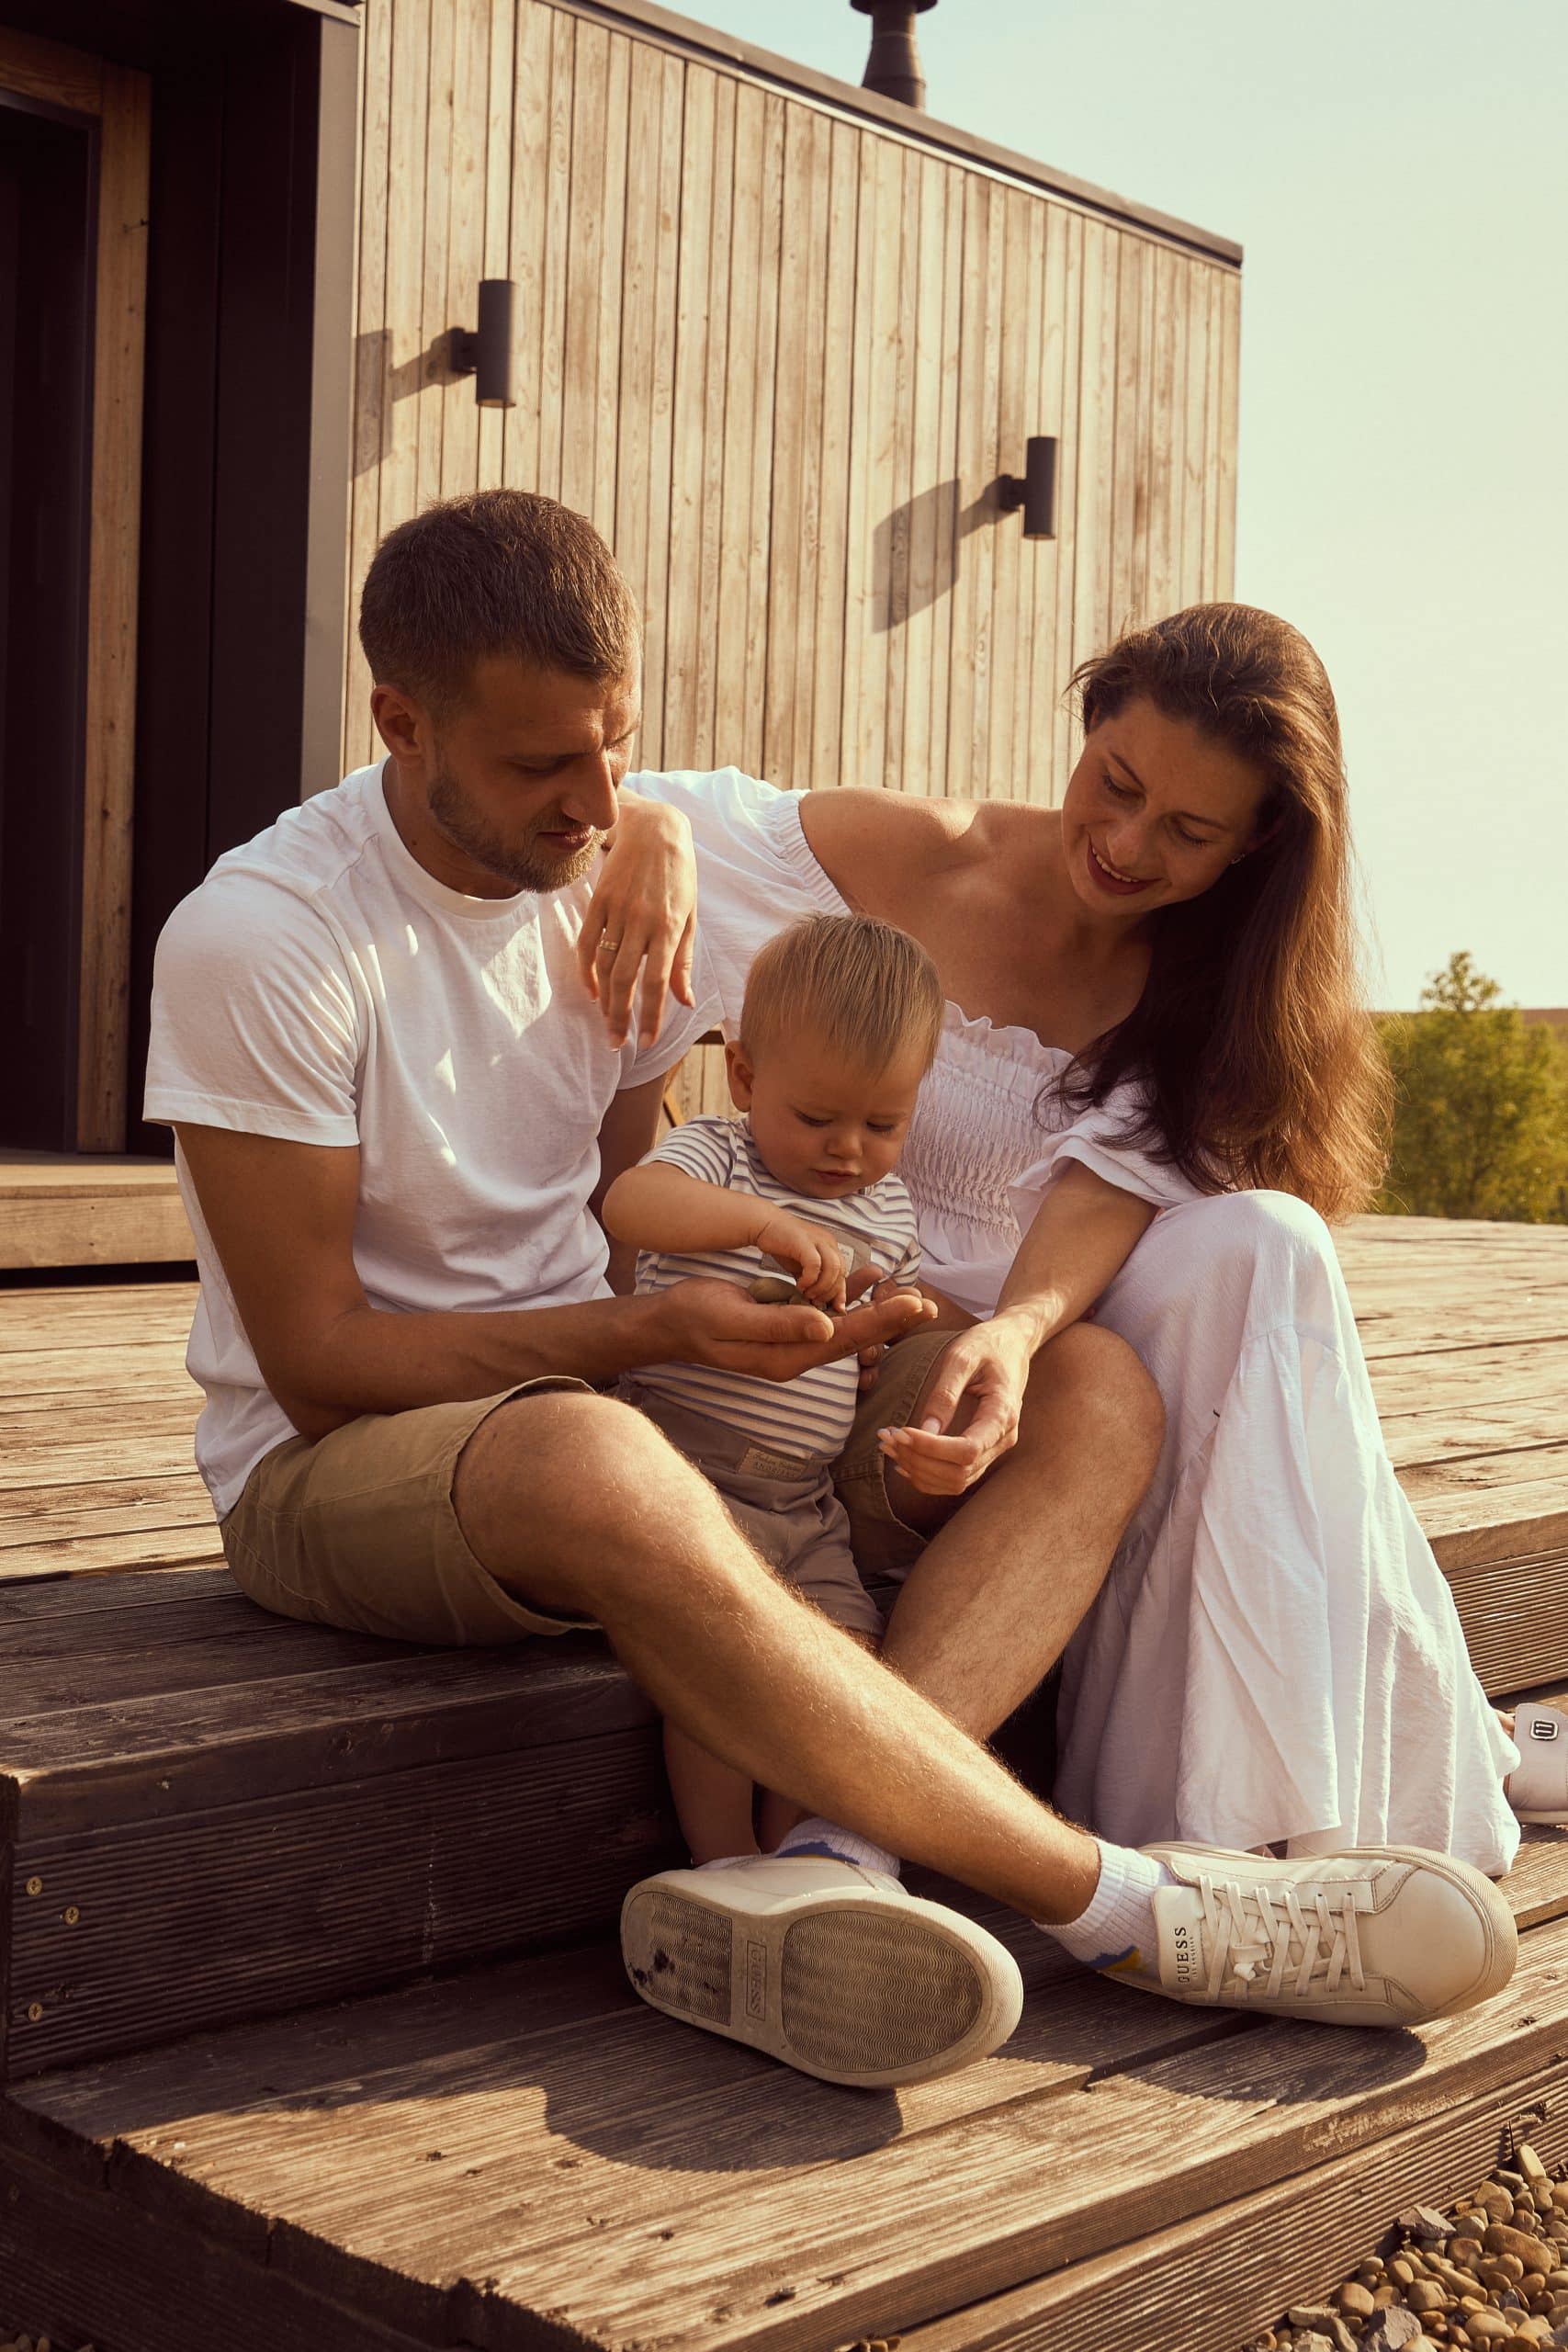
(1096, 1140)
(256, 1022)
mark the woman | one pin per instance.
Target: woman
(1156, 1081)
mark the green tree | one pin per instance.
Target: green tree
(1480, 1117)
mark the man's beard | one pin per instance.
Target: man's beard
(524, 866)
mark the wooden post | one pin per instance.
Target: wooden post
(120, 101)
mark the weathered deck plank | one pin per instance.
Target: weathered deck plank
(76, 1209)
(526, 2157)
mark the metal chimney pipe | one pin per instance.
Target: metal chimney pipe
(893, 69)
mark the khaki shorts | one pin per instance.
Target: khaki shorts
(782, 1504)
(357, 1529)
(884, 1545)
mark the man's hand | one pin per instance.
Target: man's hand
(282, 1219)
(811, 1253)
(716, 1323)
(641, 917)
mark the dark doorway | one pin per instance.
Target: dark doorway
(47, 242)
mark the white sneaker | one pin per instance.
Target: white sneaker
(1380, 1935)
(1537, 1788)
(832, 1968)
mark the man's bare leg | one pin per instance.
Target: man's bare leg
(580, 1506)
(1011, 1572)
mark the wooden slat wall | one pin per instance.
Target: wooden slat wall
(781, 359)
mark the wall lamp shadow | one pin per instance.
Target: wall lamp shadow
(1034, 489)
(486, 354)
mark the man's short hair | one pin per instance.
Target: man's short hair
(498, 573)
(869, 991)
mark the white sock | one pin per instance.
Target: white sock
(1119, 1925)
(818, 1837)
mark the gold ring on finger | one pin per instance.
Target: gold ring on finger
(608, 947)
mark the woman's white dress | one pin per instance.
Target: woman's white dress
(1275, 1653)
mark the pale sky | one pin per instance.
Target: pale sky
(1397, 170)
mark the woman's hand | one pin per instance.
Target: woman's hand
(641, 917)
(811, 1252)
(969, 1417)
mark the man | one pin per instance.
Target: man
(395, 1104)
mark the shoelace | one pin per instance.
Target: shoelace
(1247, 1927)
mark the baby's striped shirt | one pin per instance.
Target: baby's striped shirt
(808, 1416)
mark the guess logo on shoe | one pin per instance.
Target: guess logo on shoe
(1187, 1962)
(756, 1979)
(1543, 1726)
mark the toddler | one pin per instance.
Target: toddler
(839, 1024)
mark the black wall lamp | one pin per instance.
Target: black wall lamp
(1035, 489)
(486, 356)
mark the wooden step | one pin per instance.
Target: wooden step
(524, 2156)
(212, 1812)
(1226, 2273)
(85, 1209)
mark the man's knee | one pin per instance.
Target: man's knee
(567, 1457)
(1092, 1372)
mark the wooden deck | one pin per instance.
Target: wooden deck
(315, 2035)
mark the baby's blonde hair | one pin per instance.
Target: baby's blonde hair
(869, 991)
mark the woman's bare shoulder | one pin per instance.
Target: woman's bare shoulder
(871, 842)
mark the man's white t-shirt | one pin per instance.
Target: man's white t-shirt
(321, 987)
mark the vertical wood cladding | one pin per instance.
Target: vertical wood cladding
(780, 358)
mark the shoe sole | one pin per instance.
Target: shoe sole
(855, 1989)
(1497, 1919)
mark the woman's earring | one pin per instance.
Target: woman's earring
(1237, 861)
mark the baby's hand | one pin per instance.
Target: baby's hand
(812, 1255)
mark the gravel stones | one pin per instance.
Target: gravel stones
(1522, 2245)
(1488, 2275)
(1394, 2330)
(1424, 2223)
(1321, 2319)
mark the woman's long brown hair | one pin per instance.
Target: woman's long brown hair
(1251, 1041)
